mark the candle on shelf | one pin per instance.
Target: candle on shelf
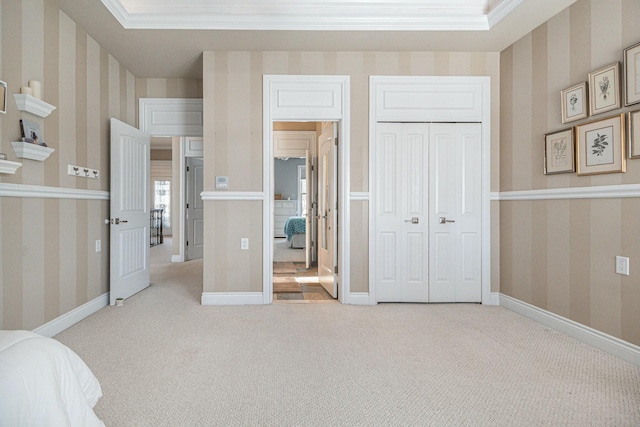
(26, 90)
(36, 87)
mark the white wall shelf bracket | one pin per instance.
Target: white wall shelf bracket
(27, 150)
(33, 105)
(7, 166)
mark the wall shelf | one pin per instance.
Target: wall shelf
(9, 167)
(33, 105)
(26, 150)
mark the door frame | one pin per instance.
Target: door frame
(286, 99)
(433, 99)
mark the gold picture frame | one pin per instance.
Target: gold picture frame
(633, 133)
(604, 89)
(600, 146)
(3, 97)
(574, 102)
(632, 75)
(559, 152)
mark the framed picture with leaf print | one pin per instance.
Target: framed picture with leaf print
(600, 146)
(559, 152)
(574, 102)
(604, 89)
(632, 74)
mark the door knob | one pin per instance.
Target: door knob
(444, 220)
(414, 220)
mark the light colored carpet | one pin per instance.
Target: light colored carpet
(165, 360)
(283, 253)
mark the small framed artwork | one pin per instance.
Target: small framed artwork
(633, 122)
(604, 89)
(600, 146)
(559, 152)
(31, 132)
(3, 97)
(574, 102)
(632, 74)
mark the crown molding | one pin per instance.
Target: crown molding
(314, 15)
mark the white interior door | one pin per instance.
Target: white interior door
(194, 209)
(327, 227)
(455, 213)
(309, 215)
(130, 214)
(428, 212)
(401, 207)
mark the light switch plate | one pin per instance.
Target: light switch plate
(622, 265)
(222, 182)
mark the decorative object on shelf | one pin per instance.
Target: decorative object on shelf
(26, 150)
(559, 152)
(9, 167)
(633, 121)
(36, 87)
(604, 89)
(3, 97)
(632, 74)
(601, 146)
(3, 156)
(33, 105)
(31, 133)
(26, 90)
(574, 102)
(83, 172)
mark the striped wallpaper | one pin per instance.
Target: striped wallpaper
(233, 144)
(559, 255)
(48, 261)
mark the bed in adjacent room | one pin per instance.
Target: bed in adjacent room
(295, 229)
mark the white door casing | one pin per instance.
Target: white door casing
(130, 214)
(194, 209)
(327, 210)
(433, 99)
(309, 215)
(401, 209)
(304, 98)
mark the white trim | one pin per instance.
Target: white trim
(360, 298)
(231, 298)
(335, 107)
(595, 192)
(178, 117)
(501, 10)
(39, 191)
(60, 323)
(495, 298)
(605, 342)
(477, 86)
(232, 195)
(360, 195)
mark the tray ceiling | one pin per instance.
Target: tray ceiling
(301, 15)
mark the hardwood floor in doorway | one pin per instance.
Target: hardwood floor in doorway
(303, 282)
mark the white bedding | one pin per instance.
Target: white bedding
(44, 383)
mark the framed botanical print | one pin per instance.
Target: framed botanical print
(574, 102)
(633, 123)
(604, 89)
(632, 74)
(600, 146)
(559, 152)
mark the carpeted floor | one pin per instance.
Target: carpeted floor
(165, 360)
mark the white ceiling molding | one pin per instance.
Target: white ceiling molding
(312, 15)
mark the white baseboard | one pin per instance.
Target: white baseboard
(612, 345)
(494, 298)
(232, 298)
(59, 324)
(359, 298)
(177, 258)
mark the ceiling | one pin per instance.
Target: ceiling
(166, 38)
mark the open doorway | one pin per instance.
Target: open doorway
(301, 212)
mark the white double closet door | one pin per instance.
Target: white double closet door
(428, 212)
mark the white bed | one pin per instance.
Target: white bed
(44, 383)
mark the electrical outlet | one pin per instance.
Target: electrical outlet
(244, 243)
(622, 265)
(98, 245)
